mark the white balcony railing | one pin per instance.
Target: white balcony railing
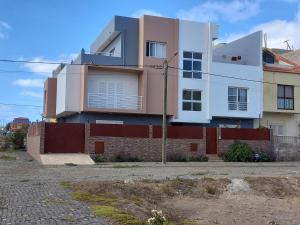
(278, 139)
(104, 101)
(241, 106)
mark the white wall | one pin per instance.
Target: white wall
(219, 89)
(248, 47)
(73, 88)
(194, 36)
(117, 44)
(68, 89)
(61, 91)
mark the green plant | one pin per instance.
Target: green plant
(239, 152)
(124, 157)
(176, 158)
(157, 218)
(197, 158)
(98, 158)
(7, 158)
(18, 138)
(264, 157)
(116, 215)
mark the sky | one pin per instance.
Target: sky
(56, 30)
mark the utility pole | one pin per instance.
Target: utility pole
(164, 122)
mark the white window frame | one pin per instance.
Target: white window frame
(237, 105)
(192, 101)
(276, 126)
(192, 71)
(155, 54)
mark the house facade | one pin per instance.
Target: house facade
(120, 80)
(281, 95)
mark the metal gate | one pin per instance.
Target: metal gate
(211, 141)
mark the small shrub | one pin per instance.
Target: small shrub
(123, 157)
(176, 158)
(239, 152)
(98, 158)
(18, 138)
(157, 218)
(198, 158)
(264, 157)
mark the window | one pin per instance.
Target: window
(192, 65)
(268, 57)
(285, 97)
(112, 52)
(277, 129)
(237, 98)
(191, 100)
(156, 49)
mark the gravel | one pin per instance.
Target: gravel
(32, 194)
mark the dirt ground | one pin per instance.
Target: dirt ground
(206, 201)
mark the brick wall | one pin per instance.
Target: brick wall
(139, 141)
(146, 149)
(35, 140)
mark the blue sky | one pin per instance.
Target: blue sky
(56, 30)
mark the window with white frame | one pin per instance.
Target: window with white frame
(192, 65)
(237, 98)
(156, 49)
(191, 100)
(277, 129)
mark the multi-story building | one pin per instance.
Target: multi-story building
(281, 95)
(119, 81)
(19, 123)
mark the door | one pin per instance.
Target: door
(211, 141)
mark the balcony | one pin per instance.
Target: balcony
(240, 106)
(115, 101)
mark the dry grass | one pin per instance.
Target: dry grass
(119, 200)
(276, 187)
(7, 158)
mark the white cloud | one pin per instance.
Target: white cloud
(231, 11)
(44, 68)
(30, 83)
(32, 94)
(4, 26)
(277, 32)
(142, 12)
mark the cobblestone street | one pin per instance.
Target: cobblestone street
(25, 199)
(33, 194)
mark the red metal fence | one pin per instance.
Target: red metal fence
(64, 137)
(117, 130)
(179, 132)
(245, 134)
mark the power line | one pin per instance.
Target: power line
(21, 105)
(137, 66)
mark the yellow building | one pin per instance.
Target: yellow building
(281, 98)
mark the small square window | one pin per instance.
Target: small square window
(197, 55)
(187, 55)
(187, 64)
(196, 106)
(196, 65)
(187, 74)
(197, 75)
(187, 95)
(197, 95)
(187, 106)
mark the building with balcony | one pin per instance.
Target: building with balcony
(281, 95)
(120, 80)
